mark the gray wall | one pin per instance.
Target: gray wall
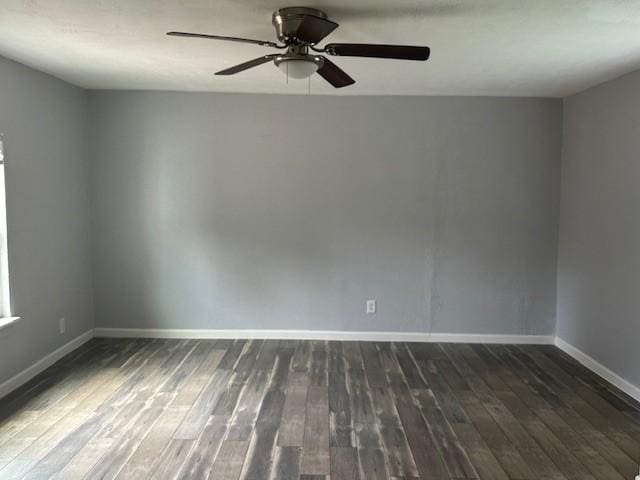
(44, 121)
(288, 212)
(599, 259)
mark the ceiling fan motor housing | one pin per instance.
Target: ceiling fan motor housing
(287, 22)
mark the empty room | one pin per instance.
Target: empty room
(344, 240)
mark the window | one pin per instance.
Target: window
(5, 297)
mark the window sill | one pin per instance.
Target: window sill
(8, 321)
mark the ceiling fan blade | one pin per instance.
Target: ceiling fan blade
(334, 74)
(313, 29)
(218, 37)
(400, 52)
(247, 65)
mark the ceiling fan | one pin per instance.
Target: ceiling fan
(300, 29)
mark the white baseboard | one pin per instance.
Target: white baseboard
(28, 373)
(480, 338)
(322, 335)
(595, 366)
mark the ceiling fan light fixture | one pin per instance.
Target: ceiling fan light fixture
(300, 30)
(299, 66)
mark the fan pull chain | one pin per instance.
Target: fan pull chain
(309, 86)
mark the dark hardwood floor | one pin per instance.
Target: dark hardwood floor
(197, 409)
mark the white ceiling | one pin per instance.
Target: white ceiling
(479, 47)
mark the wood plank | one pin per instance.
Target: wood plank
(102, 425)
(70, 383)
(482, 458)
(344, 463)
(425, 454)
(340, 425)
(228, 463)
(110, 464)
(372, 463)
(193, 387)
(60, 424)
(291, 433)
(230, 394)
(232, 355)
(250, 401)
(243, 368)
(318, 366)
(373, 365)
(480, 455)
(78, 467)
(300, 373)
(172, 459)
(263, 441)
(455, 458)
(612, 443)
(410, 371)
(361, 404)
(315, 452)
(199, 460)
(30, 432)
(286, 465)
(235, 412)
(528, 448)
(398, 456)
(430, 362)
(371, 459)
(171, 372)
(509, 458)
(197, 417)
(537, 396)
(188, 366)
(141, 463)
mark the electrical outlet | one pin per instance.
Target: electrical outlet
(371, 306)
(63, 326)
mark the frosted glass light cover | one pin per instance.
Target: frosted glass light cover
(298, 68)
